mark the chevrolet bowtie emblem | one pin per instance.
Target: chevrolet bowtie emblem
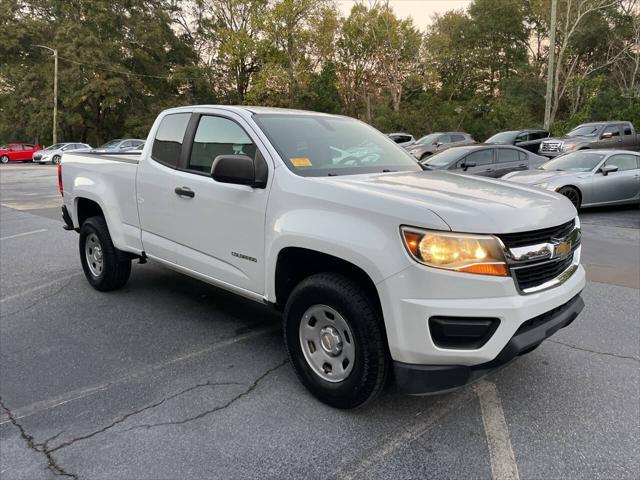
(561, 249)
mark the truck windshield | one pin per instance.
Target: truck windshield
(585, 130)
(318, 145)
(574, 162)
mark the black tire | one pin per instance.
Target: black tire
(116, 265)
(371, 363)
(4, 159)
(55, 160)
(573, 195)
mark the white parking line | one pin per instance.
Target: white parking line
(405, 434)
(503, 461)
(144, 371)
(23, 234)
(31, 290)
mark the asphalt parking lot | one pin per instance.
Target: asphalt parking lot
(172, 378)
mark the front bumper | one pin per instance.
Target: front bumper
(426, 379)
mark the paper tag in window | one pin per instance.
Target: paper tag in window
(300, 162)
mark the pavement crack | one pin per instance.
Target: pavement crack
(225, 405)
(597, 352)
(42, 448)
(38, 300)
(123, 418)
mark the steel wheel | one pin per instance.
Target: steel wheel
(94, 254)
(327, 343)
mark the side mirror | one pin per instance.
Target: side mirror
(466, 165)
(606, 135)
(438, 144)
(239, 170)
(607, 169)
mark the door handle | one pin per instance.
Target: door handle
(185, 192)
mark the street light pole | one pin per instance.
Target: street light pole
(552, 51)
(55, 91)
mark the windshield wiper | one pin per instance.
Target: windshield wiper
(386, 170)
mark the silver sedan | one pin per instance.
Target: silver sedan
(588, 178)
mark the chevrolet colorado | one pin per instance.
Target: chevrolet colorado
(381, 269)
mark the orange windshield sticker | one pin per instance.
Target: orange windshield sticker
(300, 162)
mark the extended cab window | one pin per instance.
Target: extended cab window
(218, 136)
(168, 142)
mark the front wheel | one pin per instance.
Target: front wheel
(56, 159)
(4, 159)
(105, 267)
(572, 194)
(335, 338)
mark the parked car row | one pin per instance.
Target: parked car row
(29, 152)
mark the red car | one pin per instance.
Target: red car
(18, 152)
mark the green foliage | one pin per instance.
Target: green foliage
(483, 70)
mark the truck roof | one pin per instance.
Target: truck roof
(251, 109)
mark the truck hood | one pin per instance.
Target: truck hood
(466, 203)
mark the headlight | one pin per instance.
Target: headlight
(459, 252)
(541, 185)
(569, 147)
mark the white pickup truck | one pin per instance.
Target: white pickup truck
(382, 270)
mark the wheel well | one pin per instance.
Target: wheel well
(86, 209)
(295, 264)
(574, 188)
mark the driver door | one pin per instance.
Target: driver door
(617, 186)
(219, 228)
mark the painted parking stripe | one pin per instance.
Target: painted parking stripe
(503, 461)
(23, 234)
(81, 393)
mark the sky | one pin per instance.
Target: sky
(420, 10)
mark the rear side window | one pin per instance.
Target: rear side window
(505, 155)
(168, 142)
(457, 138)
(522, 156)
(218, 136)
(627, 130)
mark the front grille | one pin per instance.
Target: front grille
(539, 273)
(521, 239)
(550, 147)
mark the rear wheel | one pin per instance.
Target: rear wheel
(572, 194)
(4, 159)
(105, 267)
(335, 339)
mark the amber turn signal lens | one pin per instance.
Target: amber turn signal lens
(498, 269)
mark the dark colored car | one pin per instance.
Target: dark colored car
(436, 142)
(618, 135)
(529, 138)
(485, 160)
